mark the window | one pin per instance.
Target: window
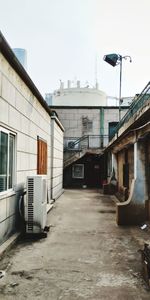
(41, 156)
(78, 171)
(112, 127)
(87, 125)
(7, 159)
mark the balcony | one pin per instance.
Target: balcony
(138, 108)
(85, 142)
(77, 147)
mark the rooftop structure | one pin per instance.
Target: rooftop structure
(77, 95)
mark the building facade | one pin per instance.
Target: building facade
(89, 122)
(26, 136)
(129, 162)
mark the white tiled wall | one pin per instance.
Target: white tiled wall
(21, 112)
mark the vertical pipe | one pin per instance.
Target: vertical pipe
(52, 154)
(115, 165)
(120, 86)
(135, 160)
(101, 125)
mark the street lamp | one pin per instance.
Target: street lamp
(114, 60)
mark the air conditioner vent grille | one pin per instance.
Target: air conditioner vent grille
(30, 203)
(35, 204)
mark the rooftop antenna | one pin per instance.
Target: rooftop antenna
(74, 81)
(96, 71)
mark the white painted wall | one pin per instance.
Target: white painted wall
(57, 158)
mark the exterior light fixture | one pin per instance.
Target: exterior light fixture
(114, 60)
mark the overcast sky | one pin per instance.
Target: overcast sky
(64, 37)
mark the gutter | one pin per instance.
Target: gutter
(58, 122)
(87, 107)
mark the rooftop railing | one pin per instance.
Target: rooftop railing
(138, 102)
(85, 142)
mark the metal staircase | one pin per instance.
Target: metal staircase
(75, 148)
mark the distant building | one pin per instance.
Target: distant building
(21, 54)
(89, 122)
(48, 98)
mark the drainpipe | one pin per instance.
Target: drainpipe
(102, 126)
(52, 154)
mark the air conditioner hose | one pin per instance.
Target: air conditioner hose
(20, 202)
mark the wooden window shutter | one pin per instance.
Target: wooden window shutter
(41, 156)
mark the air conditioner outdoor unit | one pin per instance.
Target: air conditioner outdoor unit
(72, 145)
(36, 204)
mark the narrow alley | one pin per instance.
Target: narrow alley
(85, 256)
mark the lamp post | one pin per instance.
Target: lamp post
(114, 60)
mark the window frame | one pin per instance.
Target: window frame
(82, 175)
(9, 132)
(87, 124)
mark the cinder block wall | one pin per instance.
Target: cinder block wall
(71, 119)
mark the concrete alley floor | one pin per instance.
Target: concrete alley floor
(85, 256)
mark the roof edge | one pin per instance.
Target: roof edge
(8, 53)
